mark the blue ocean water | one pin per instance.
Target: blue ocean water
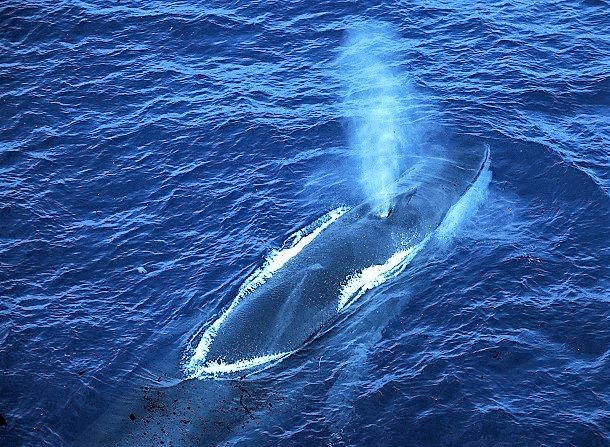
(152, 155)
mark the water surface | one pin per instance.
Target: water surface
(152, 155)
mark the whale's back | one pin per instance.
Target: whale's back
(309, 290)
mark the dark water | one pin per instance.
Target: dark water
(151, 155)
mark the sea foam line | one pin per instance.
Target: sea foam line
(370, 277)
(275, 261)
(295, 243)
(217, 367)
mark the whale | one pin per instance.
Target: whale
(317, 277)
(300, 291)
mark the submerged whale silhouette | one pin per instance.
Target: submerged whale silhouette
(330, 265)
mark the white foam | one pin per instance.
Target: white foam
(295, 243)
(275, 261)
(370, 277)
(218, 367)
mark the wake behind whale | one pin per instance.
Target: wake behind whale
(330, 264)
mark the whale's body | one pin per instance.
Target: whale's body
(287, 302)
(331, 271)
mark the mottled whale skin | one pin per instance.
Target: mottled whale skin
(302, 298)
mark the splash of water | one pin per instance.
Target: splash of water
(377, 102)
